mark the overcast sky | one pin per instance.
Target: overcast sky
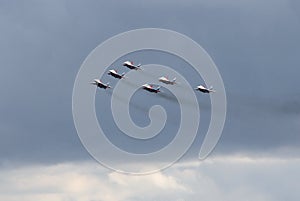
(255, 45)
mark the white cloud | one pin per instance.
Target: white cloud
(81, 181)
(229, 178)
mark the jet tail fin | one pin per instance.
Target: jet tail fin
(158, 89)
(211, 89)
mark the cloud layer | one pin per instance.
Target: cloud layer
(219, 179)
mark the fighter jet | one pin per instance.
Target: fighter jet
(115, 74)
(205, 89)
(150, 88)
(166, 80)
(130, 65)
(100, 84)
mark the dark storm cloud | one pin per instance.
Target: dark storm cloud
(43, 43)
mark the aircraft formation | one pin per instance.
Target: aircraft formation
(147, 87)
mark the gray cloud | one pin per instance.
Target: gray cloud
(43, 45)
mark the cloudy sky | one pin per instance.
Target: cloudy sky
(255, 45)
